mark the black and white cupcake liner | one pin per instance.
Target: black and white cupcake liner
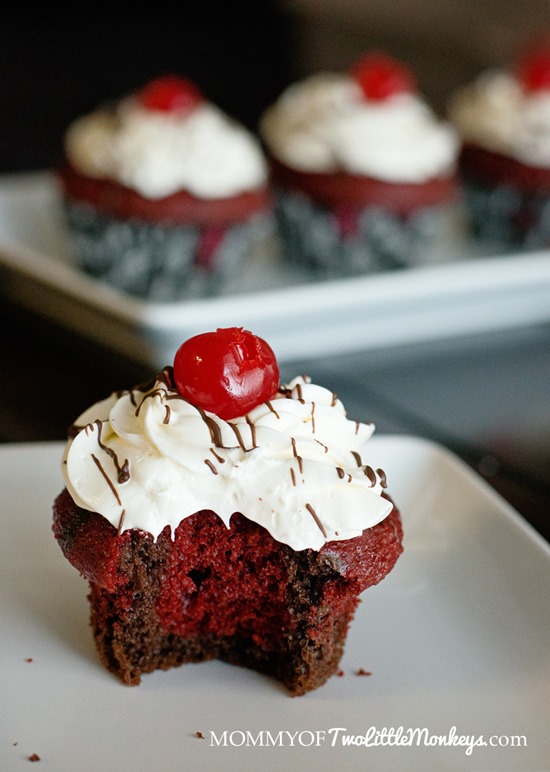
(162, 262)
(508, 217)
(348, 242)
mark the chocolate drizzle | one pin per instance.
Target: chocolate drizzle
(296, 456)
(97, 462)
(314, 515)
(217, 456)
(342, 474)
(123, 470)
(238, 435)
(151, 395)
(382, 476)
(371, 474)
(252, 431)
(213, 428)
(299, 392)
(270, 407)
(357, 458)
(73, 430)
(211, 466)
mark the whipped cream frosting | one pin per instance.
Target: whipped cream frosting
(497, 114)
(158, 153)
(325, 124)
(296, 465)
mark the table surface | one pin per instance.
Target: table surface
(486, 399)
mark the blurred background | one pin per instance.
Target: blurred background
(52, 73)
(485, 396)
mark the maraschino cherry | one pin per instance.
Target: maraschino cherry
(170, 94)
(381, 77)
(227, 372)
(533, 70)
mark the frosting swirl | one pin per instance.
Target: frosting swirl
(496, 113)
(158, 153)
(147, 459)
(324, 124)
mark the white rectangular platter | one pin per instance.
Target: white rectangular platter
(456, 640)
(301, 318)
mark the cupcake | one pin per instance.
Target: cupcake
(364, 171)
(503, 118)
(217, 514)
(165, 196)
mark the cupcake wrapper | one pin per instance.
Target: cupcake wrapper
(162, 262)
(507, 216)
(354, 241)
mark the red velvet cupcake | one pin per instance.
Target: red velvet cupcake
(218, 514)
(364, 171)
(166, 196)
(503, 118)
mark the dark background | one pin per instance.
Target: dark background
(50, 74)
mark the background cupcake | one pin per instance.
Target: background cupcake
(364, 171)
(504, 121)
(165, 195)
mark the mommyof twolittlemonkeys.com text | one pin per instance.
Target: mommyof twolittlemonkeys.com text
(386, 737)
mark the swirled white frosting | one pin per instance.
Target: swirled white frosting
(497, 114)
(296, 465)
(158, 153)
(325, 124)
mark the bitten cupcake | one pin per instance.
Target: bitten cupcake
(217, 514)
(503, 118)
(165, 195)
(363, 169)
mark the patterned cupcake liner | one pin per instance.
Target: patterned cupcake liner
(162, 262)
(508, 217)
(348, 242)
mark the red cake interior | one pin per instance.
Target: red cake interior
(215, 592)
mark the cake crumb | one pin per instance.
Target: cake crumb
(34, 757)
(28, 659)
(199, 735)
(340, 673)
(362, 671)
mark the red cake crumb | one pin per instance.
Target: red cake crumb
(234, 594)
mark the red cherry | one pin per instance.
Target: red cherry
(533, 71)
(170, 94)
(227, 372)
(381, 77)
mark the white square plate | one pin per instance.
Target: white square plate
(456, 639)
(469, 290)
